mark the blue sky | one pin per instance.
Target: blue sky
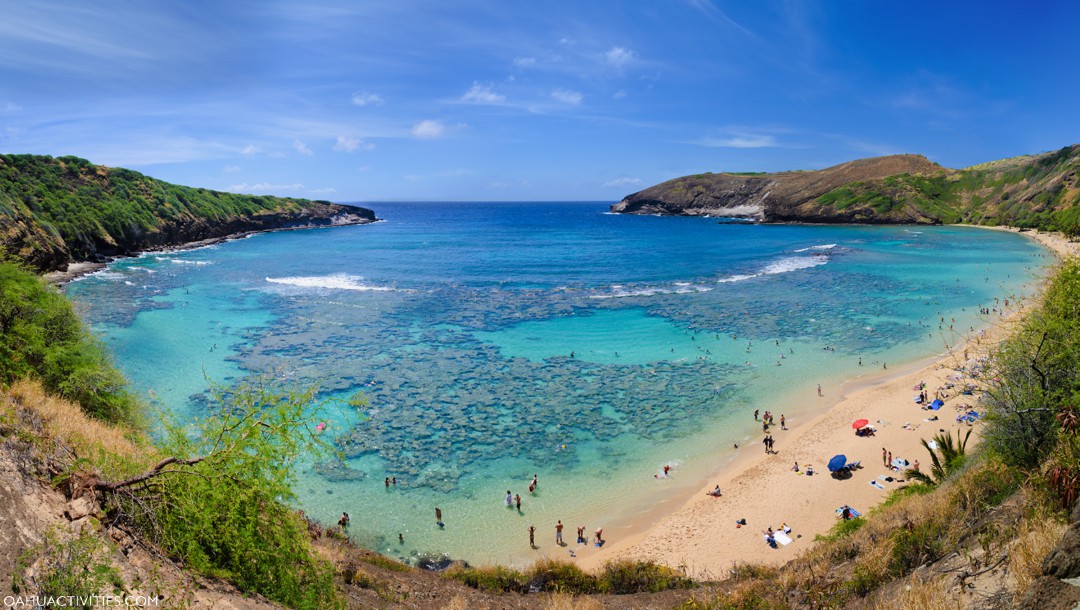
(540, 100)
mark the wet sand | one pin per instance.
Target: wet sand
(701, 535)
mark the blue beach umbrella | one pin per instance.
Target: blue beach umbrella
(837, 463)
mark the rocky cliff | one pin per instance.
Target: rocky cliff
(54, 211)
(1038, 191)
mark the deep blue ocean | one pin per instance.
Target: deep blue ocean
(493, 341)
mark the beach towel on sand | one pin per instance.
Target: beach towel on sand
(782, 538)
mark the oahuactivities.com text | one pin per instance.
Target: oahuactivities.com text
(81, 601)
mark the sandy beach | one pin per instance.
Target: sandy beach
(764, 489)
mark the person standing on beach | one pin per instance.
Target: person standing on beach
(783, 424)
(766, 443)
(517, 500)
(884, 459)
(535, 484)
(756, 411)
(819, 390)
(558, 533)
(532, 536)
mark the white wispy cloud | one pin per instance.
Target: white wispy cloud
(265, 187)
(428, 129)
(524, 62)
(250, 150)
(350, 144)
(567, 97)
(623, 182)
(742, 137)
(618, 56)
(11, 107)
(745, 141)
(482, 94)
(230, 169)
(363, 98)
(302, 148)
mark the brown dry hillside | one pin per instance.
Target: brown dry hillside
(1034, 191)
(765, 196)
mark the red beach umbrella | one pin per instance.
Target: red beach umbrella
(860, 423)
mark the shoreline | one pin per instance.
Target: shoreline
(700, 535)
(78, 269)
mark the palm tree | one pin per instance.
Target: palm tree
(948, 458)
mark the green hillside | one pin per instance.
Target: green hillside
(1030, 191)
(58, 210)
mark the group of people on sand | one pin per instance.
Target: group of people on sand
(581, 539)
(770, 535)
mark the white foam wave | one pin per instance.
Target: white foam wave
(822, 247)
(794, 263)
(737, 278)
(181, 261)
(620, 292)
(337, 281)
(107, 274)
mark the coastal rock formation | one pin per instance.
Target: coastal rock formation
(775, 197)
(54, 211)
(1032, 191)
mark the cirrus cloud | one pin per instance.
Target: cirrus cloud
(362, 98)
(623, 182)
(565, 96)
(350, 144)
(618, 56)
(265, 187)
(428, 129)
(482, 94)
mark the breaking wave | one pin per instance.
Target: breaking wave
(337, 281)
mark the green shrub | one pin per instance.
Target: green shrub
(626, 576)
(843, 528)
(221, 507)
(41, 337)
(495, 578)
(78, 567)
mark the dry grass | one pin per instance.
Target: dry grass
(64, 421)
(1034, 541)
(566, 601)
(920, 594)
(459, 603)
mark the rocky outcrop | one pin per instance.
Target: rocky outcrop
(1059, 586)
(191, 230)
(1033, 191)
(784, 196)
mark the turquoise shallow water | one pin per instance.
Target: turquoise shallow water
(495, 341)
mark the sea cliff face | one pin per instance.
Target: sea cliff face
(55, 211)
(1036, 191)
